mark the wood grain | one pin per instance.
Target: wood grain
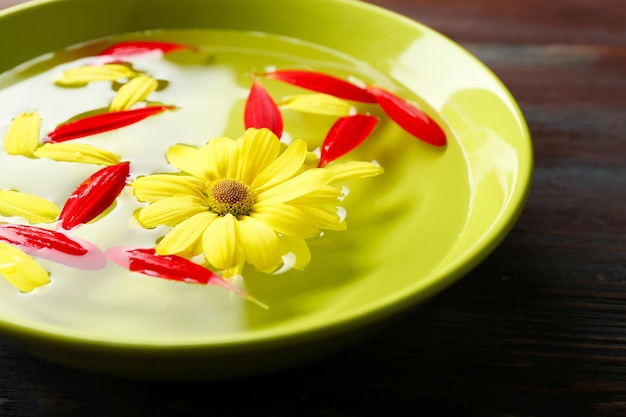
(538, 329)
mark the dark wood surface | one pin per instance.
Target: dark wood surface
(538, 329)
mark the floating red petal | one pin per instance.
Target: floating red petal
(261, 111)
(38, 238)
(94, 196)
(346, 134)
(323, 83)
(172, 267)
(103, 123)
(53, 245)
(409, 117)
(141, 47)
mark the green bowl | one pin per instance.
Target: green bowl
(432, 217)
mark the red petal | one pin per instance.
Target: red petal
(103, 123)
(53, 245)
(38, 238)
(261, 111)
(346, 134)
(141, 47)
(409, 117)
(94, 195)
(172, 267)
(323, 83)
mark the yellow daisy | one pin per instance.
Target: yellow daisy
(249, 200)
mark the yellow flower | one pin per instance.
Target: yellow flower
(20, 270)
(243, 201)
(32, 208)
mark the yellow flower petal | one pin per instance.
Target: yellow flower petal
(171, 211)
(298, 221)
(312, 161)
(234, 271)
(220, 245)
(80, 76)
(260, 148)
(32, 208)
(185, 239)
(299, 248)
(159, 186)
(319, 104)
(327, 194)
(22, 137)
(76, 152)
(304, 183)
(191, 160)
(285, 219)
(134, 91)
(322, 217)
(221, 156)
(259, 243)
(338, 226)
(234, 160)
(353, 170)
(20, 270)
(283, 168)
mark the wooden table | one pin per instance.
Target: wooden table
(539, 329)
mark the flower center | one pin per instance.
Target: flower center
(230, 196)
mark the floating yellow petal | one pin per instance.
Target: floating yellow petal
(354, 169)
(77, 77)
(76, 152)
(319, 104)
(22, 137)
(20, 270)
(32, 208)
(134, 91)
